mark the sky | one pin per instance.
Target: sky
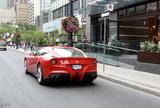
(3, 4)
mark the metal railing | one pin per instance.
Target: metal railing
(113, 55)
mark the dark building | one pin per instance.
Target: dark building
(132, 21)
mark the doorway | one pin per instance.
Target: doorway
(152, 28)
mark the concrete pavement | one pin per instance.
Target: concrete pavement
(146, 82)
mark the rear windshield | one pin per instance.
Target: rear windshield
(2, 42)
(68, 52)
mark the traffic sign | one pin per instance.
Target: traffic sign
(109, 7)
(105, 14)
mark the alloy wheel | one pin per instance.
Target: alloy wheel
(25, 67)
(40, 75)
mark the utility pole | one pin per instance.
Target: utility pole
(105, 15)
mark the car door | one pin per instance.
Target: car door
(38, 57)
(31, 61)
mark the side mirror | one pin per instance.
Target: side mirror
(31, 53)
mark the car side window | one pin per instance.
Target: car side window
(37, 53)
(44, 52)
(41, 52)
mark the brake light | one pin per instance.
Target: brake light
(53, 62)
(94, 61)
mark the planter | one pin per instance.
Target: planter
(149, 57)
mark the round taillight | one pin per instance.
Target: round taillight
(53, 61)
(94, 61)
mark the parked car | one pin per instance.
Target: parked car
(3, 44)
(61, 64)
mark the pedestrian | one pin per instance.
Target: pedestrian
(11, 44)
(31, 45)
(25, 45)
(110, 40)
(14, 45)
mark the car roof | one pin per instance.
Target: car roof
(52, 47)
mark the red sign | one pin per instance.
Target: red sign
(109, 7)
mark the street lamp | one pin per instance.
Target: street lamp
(70, 37)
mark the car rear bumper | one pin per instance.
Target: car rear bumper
(3, 47)
(59, 77)
(90, 76)
(66, 77)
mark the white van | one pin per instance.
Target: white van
(3, 44)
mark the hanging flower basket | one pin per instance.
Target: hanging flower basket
(70, 24)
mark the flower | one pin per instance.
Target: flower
(149, 46)
(70, 24)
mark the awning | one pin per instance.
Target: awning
(98, 6)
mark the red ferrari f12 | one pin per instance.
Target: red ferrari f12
(61, 64)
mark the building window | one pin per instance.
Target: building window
(152, 7)
(113, 30)
(159, 5)
(140, 9)
(67, 10)
(122, 13)
(131, 11)
(76, 6)
(53, 1)
(63, 9)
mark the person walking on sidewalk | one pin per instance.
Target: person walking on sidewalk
(31, 45)
(25, 45)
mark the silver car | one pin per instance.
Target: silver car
(3, 45)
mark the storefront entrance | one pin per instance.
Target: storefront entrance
(130, 31)
(97, 29)
(152, 29)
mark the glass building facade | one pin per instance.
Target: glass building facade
(130, 22)
(3, 4)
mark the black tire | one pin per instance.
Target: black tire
(25, 68)
(40, 78)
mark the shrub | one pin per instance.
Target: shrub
(148, 46)
(158, 46)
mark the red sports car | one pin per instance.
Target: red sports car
(61, 64)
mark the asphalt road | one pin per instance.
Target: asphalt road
(18, 90)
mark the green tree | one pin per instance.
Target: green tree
(6, 28)
(38, 37)
(27, 32)
(22, 27)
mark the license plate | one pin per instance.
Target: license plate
(76, 67)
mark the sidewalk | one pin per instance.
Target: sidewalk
(146, 82)
(21, 50)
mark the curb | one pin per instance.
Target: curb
(18, 51)
(131, 84)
